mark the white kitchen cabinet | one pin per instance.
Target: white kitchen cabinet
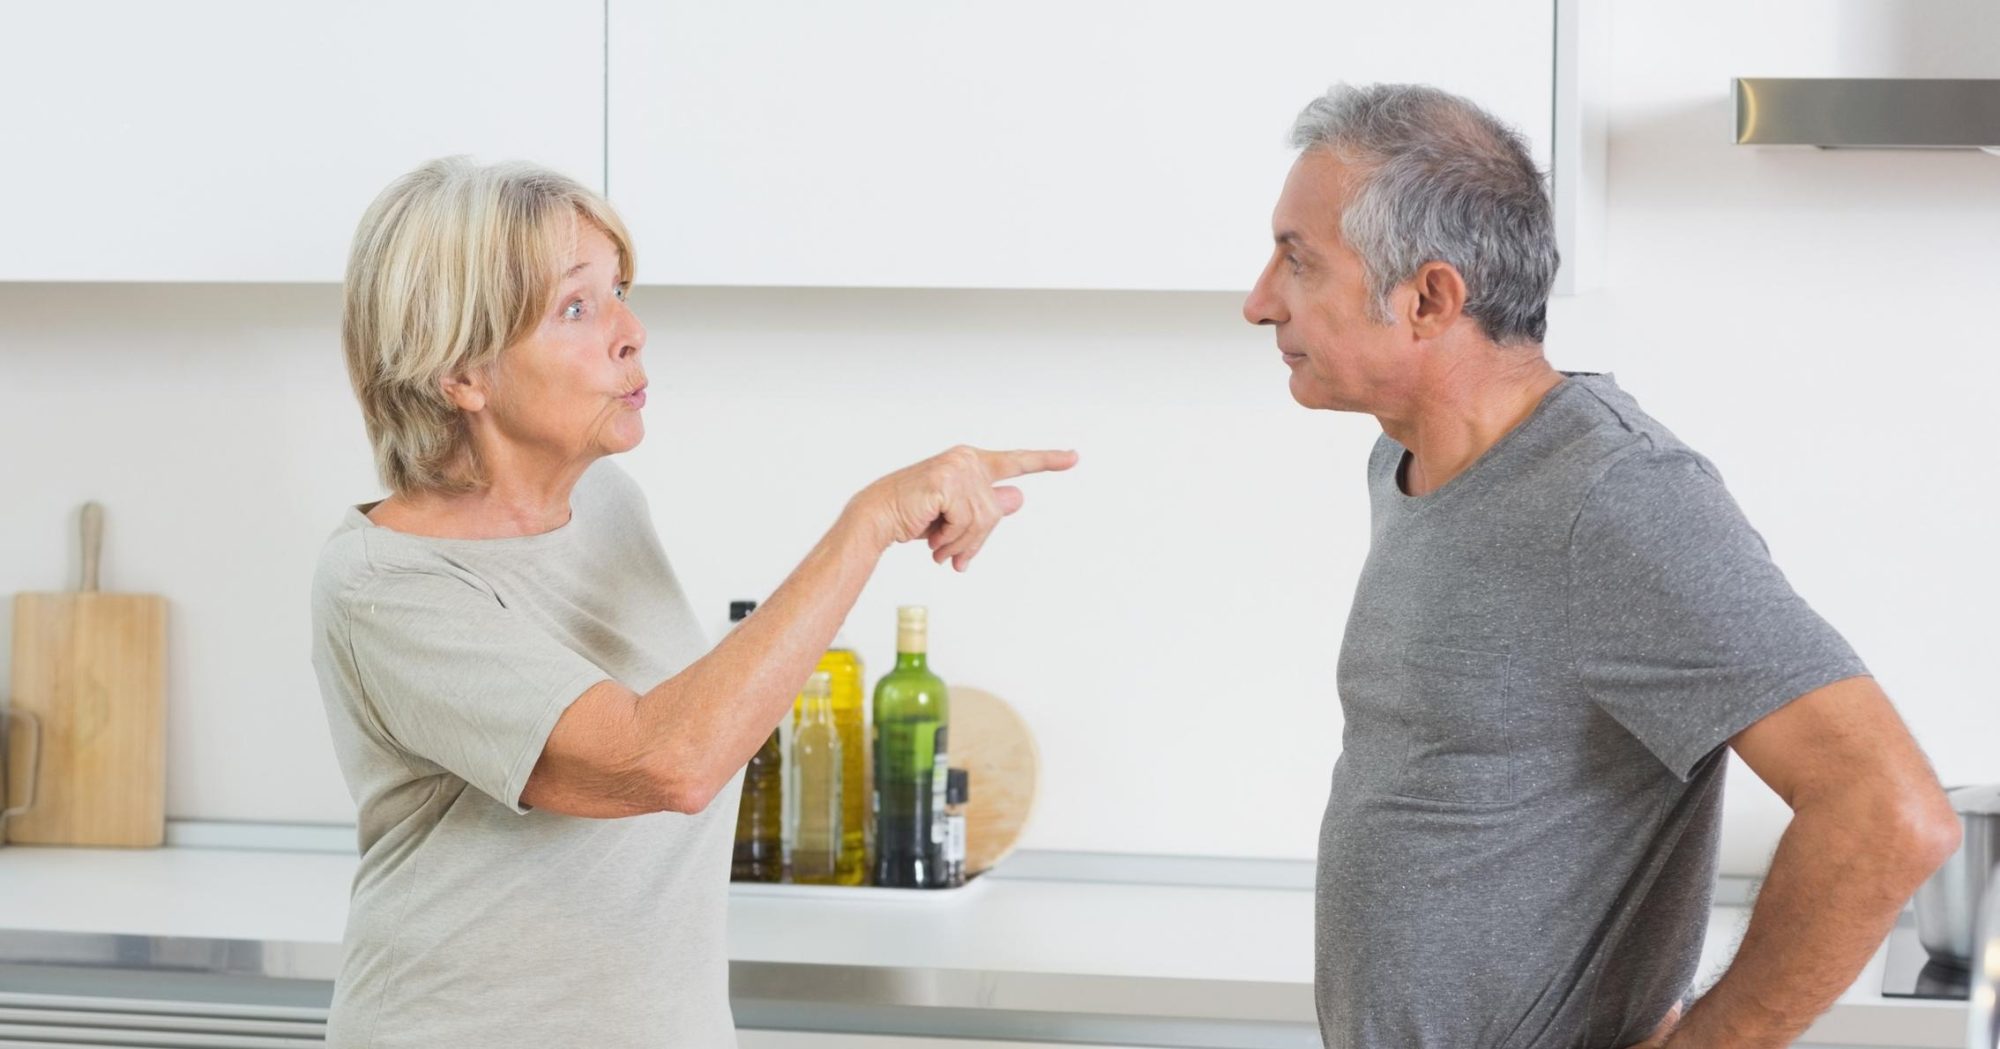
(1031, 144)
(238, 140)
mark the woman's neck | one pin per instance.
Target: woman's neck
(507, 507)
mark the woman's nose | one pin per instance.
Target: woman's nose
(631, 335)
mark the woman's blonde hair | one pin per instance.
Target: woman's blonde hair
(452, 264)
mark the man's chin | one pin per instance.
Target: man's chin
(1310, 396)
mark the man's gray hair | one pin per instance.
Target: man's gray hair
(1439, 179)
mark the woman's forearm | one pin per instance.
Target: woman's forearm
(707, 721)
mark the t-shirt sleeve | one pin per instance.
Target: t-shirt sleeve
(460, 680)
(1686, 633)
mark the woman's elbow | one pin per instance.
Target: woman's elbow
(677, 787)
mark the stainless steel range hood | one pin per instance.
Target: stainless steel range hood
(1868, 114)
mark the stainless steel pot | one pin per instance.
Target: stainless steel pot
(1948, 903)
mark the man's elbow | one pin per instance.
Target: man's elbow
(1925, 828)
(1917, 827)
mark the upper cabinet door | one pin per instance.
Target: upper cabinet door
(1029, 144)
(240, 140)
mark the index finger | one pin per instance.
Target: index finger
(1001, 465)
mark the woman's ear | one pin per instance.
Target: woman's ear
(466, 391)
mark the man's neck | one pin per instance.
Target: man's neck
(1458, 413)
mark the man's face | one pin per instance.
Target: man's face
(1315, 292)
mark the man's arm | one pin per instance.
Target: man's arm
(1869, 824)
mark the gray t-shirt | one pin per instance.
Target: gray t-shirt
(476, 922)
(1543, 663)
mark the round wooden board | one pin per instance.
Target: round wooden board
(991, 742)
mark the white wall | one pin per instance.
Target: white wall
(1820, 323)
(1166, 616)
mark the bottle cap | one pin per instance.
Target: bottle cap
(740, 610)
(957, 786)
(819, 685)
(911, 627)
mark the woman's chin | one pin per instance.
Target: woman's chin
(625, 436)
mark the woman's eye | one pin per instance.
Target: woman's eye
(621, 291)
(573, 311)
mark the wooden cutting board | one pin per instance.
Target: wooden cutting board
(92, 667)
(991, 742)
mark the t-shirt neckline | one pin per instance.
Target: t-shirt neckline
(358, 517)
(1418, 503)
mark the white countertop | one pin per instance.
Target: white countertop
(1009, 925)
(992, 924)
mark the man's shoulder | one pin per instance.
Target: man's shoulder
(1602, 412)
(1598, 430)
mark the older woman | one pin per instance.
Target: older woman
(544, 752)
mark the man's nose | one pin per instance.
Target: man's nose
(1260, 306)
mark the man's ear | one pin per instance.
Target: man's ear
(1440, 299)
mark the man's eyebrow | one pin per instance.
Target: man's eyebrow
(1290, 239)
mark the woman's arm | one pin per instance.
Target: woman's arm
(617, 753)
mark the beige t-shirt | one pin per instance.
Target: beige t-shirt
(476, 922)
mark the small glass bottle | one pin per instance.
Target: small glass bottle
(957, 789)
(759, 854)
(813, 818)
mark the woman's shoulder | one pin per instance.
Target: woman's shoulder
(360, 556)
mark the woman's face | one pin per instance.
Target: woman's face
(573, 388)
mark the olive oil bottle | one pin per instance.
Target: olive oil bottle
(759, 854)
(813, 808)
(843, 669)
(912, 721)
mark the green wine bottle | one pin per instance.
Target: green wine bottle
(912, 719)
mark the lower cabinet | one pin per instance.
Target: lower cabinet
(814, 1040)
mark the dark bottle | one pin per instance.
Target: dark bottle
(760, 815)
(957, 789)
(912, 719)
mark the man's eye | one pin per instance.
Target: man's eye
(1296, 264)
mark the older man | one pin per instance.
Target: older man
(1562, 622)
